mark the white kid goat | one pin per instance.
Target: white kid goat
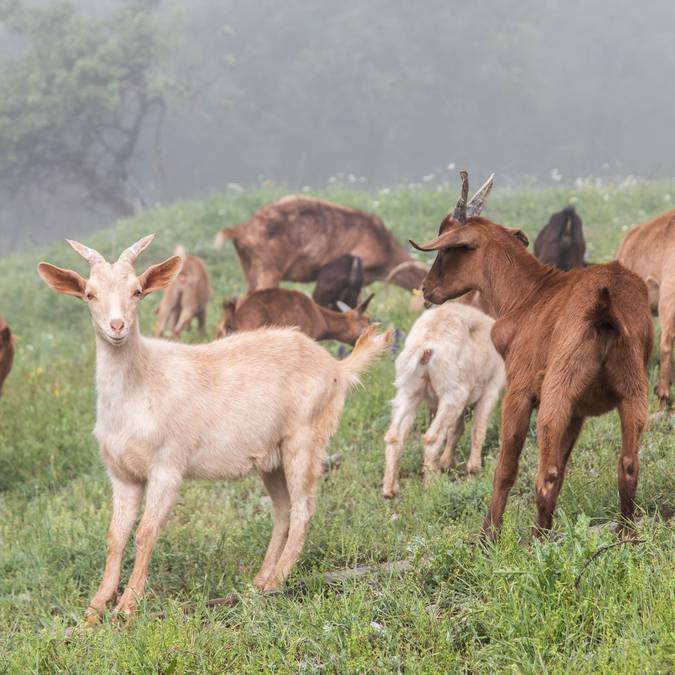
(448, 361)
(266, 401)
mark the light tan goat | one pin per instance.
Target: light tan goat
(186, 297)
(649, 251)
(450, 363)
(265, 401)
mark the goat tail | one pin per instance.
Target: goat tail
(369, 346)
(224, 235)
(603, 315)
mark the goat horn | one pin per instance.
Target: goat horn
(459, 214)
(92, 256)
(130, 254)
(475, 206)
(416, 264)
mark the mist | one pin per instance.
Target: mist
(377, 93)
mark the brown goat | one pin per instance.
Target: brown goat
(649, 251)
(340, 280)
(574, 343)
(561, 241)
(186, 298)
(294, 238)
(282, 307)
(6, 351)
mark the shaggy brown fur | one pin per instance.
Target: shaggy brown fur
(294, 238)
(283, 307)
(649, 251)
(574, 343)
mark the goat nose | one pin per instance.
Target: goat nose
(117, 324)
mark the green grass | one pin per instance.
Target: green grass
(509, 607)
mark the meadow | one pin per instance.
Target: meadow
(514, 606)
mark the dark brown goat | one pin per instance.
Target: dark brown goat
(6, 351)
(575, 344)
(340, 280)
(283, 307)
(561, 241)
(294, 238)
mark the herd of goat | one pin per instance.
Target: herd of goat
(569, 338)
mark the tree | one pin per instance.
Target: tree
(77, 97)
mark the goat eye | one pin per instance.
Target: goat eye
(89, 297)
(138, 293)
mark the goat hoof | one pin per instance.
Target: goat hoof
(473, 469)
(271, 586)
(260, 579)
(92, 616)
(389, 493)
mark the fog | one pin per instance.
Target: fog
(374, 93)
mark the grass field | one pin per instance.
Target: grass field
(509, 607)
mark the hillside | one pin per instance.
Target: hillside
(460, 607)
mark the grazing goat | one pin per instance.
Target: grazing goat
(340, 280)
(574, 343)
(649, 251)
(265, 401)
(561, 242)
(186, 297)
(282, 307)
(450, 363)
(294, 238)
(6, 351)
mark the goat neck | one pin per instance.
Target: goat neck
(335, 326)
(512, 277)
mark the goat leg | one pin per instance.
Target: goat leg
(126, 500)
(275, 484)
(633, 415)
(516, 411)
(161, 494)
(557, 436)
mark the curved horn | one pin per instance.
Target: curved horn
(475, 206)
(416, 264)
(130, 254)
(459, 214)
(92, 256)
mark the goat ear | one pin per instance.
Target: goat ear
(343, 306)
(364, 305)
(518, 234)
(463, 237)
(62, 281)
(161, 275)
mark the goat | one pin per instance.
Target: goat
(649, 251)
(450, 363)
(561, 241)
(6, 351)
(185, 298)
(293, 238)
(340, 280)
(574, 343)
(283, 307)
(267, 400)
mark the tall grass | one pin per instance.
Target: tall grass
(512, 606)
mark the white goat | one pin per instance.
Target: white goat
(266, 400)
(448, 361)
